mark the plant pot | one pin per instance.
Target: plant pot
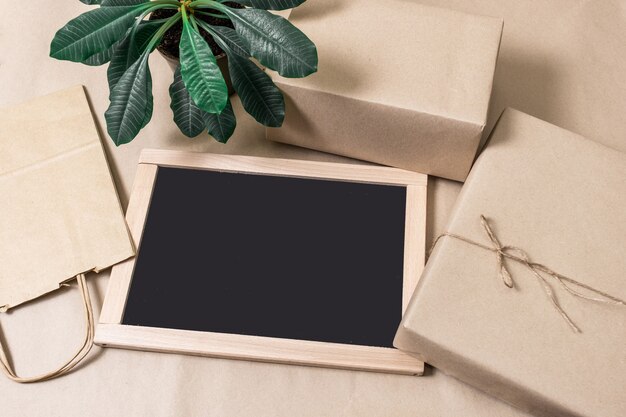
(222, 63)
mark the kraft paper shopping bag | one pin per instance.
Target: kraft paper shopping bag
(60, 216)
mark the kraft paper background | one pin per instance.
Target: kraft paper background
(562, 61)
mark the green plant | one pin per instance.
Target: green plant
(118, 32)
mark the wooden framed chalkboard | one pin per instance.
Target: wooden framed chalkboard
(266, 259)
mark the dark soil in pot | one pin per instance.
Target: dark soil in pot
(169, 43)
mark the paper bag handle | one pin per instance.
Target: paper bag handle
(69, 365)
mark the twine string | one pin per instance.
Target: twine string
(540, 271)
(8, 370)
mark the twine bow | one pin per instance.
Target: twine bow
(538, 270)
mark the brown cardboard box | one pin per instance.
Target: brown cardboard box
(399, 84)
(561, 199)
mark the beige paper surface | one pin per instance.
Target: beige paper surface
(561, 60)
(59, 213)
(560, 198)
(401, 84)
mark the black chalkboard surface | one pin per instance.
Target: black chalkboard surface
(293, 258)
(264, 259)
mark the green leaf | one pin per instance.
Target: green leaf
(115, 3)
(101, 58)
(232, 40)
(188, 117)
(92, 32)
(191, 120)
(221, 126)
(200, 72)
(125, 54)
(259, 96)
(271, 4)
(131, 102)
(142, 36)
(275, 42)
(145, 31)
(90, 2)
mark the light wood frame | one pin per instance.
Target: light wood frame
(112, 333)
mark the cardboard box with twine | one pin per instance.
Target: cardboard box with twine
(527, 303)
